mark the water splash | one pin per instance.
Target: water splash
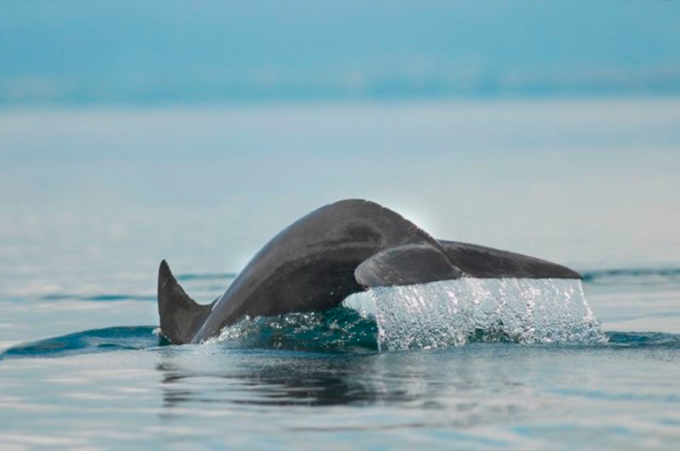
(338, 329)
(435, 315)
(456, 312)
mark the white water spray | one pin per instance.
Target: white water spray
(453, 312)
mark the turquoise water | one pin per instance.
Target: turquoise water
(98, 197)
(120, 52)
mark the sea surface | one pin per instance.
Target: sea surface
(93, 198)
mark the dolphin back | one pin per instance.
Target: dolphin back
(310, 265)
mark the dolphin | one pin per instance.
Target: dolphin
(335, 251)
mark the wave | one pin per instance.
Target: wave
(98, 297)
(207, 276)
(644, 340)
(88, 342)
(428, 316)
(297, 332)
(632, 275)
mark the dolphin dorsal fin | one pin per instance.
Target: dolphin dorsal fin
(181, 316)
(406, 265)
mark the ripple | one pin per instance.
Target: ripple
(206, 276)
(632, 275)
(644, 340)
(98, 297)
(87, 342)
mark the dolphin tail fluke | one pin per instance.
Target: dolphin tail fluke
(423, 263)
(180, 315)
(406, 265)
(487, 263)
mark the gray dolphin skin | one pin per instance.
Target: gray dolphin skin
(335, 251)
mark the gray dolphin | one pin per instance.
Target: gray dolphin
(339, 249)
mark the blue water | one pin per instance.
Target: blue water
(98, 197)
(120, 52)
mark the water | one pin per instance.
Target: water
(119, 52)
(93, 202)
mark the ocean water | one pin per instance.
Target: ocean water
(93, 198)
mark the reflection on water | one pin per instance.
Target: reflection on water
(477, 396)
(309, 382)
(461, 385)
(476, 386)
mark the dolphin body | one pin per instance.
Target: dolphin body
(342, 248)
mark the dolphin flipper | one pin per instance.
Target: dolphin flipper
(180, 316)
